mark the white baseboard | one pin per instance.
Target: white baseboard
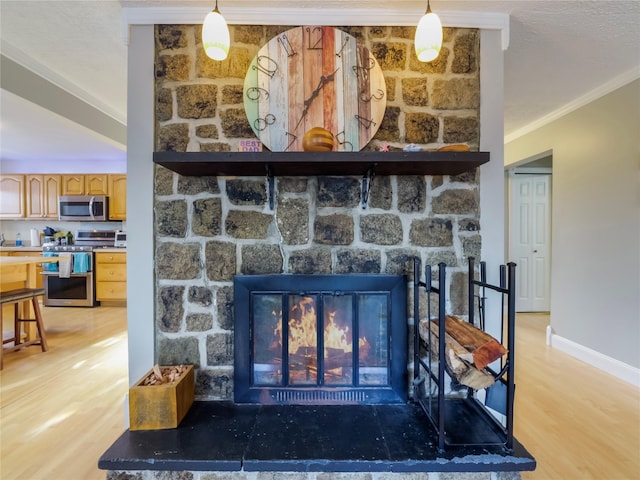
(607, 364)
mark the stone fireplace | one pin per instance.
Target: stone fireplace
(210, 229)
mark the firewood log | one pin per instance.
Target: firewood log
(483, 348)
(462, 370)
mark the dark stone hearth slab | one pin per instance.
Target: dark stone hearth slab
(221, 436)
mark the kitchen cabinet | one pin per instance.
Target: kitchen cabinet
(42, 192)
(111, 276)
(96, 184)
(12, 204)
(73, 185)
(117, 197)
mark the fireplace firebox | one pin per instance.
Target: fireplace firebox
(320, 339)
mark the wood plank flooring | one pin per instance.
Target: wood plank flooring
(577, 421)
(60, 410)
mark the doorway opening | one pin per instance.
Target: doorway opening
(530, 186)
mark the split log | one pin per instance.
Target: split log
(459, 359)
(482, 347)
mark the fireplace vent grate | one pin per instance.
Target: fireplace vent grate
(319, 396)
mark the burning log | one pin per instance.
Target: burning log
(468, 350)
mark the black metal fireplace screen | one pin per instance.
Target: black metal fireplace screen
(320, 339)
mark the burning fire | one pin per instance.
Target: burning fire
(302, 326)
(336, 337)
(303, 335)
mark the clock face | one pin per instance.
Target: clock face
(314, 77)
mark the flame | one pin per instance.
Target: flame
(303, 335)
(336, 337)
(302, 325)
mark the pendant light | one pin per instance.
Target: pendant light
(428, 36)
(215, 35)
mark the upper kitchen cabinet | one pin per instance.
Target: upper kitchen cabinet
(42, 192)
(73, 185)
(87, 184)
(117, 197)
(96, 184)
(12, 204)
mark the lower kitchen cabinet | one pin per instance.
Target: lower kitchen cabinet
(111, 276)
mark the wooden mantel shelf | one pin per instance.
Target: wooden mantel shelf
(319, 163)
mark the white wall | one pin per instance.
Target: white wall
(492, 197)
(595, 271)
(140, 240)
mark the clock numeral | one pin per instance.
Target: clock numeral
(293, 138)
(378, 95)
(316, 42)
(266, 65)
(256, 93)
(262, 123)
(340, 137)
(357, 69)
(286, 44)
(344, 44)
(365, 122)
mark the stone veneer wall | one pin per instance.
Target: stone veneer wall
(208, 229)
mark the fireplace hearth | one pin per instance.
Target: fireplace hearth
(320, 339)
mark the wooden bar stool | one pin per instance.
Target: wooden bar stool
(17, 297)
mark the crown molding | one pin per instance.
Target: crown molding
(595, 94)
(313, 16)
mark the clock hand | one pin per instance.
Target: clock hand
(307, 103)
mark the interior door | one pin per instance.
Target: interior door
(530, 239)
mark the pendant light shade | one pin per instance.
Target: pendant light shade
(215, 35)
(428, 36)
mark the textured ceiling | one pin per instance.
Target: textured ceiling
(559, 51)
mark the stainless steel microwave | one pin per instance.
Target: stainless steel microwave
(84, 208)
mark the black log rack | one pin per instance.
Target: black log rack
(309, 164)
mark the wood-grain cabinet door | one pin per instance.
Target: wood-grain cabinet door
(42, 192)
(117, 197)
(73, 185)
(96, 184)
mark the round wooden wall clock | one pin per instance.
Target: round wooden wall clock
(314, 76)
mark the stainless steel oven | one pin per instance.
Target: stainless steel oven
(71, 282)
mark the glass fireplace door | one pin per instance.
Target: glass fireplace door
(320, 345)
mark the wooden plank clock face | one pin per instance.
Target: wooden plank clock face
(314, 76)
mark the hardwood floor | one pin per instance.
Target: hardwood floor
(60, 410)
(577, 421)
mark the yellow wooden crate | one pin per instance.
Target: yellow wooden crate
(158, 407)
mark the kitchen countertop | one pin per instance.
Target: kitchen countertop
(13, 248)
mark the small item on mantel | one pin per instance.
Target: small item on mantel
(317, 139)
(384, 147)
(249, 145)
(459, 147)
(412, 147)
